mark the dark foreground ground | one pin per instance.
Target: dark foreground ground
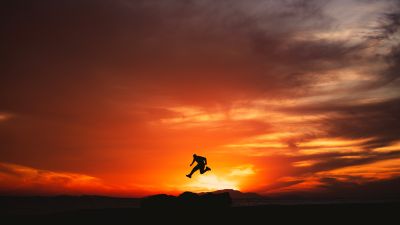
(192, 208)
(372, 213)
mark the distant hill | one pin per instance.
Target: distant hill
(235, 194)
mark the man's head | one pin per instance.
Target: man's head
(194, 155)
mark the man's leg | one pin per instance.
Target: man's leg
(204, 169)
(193, 170)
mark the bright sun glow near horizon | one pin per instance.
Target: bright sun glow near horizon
(211, 182)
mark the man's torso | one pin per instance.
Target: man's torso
(200, 159)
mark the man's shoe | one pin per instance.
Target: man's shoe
(189, 176)
(208, 168)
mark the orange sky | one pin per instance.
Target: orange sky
(113, 98)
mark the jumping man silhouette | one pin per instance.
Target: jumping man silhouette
(201, 165)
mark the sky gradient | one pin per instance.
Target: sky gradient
(114, 97)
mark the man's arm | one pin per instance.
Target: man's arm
(205, 161)
(192, 162)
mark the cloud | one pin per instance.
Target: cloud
(379, 169)
(242, 48)
(304, 163)
(326, 181)
(334, 188)
(5, 116)
(244, 170)
(17, 179)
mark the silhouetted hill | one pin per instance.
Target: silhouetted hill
(186, 208)
(369, 197)
(235, 194)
